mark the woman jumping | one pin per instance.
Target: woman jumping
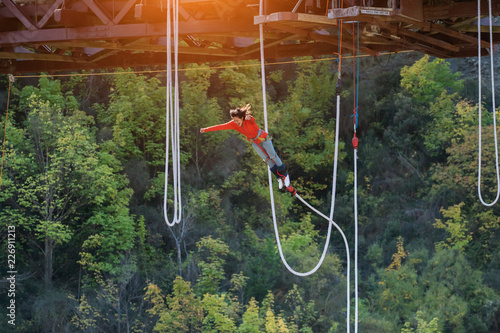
(244, 123)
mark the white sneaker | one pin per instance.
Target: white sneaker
(280, 183)
(287, 181)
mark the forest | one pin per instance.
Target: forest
(83, 179)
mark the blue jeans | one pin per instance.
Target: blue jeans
(270, 158)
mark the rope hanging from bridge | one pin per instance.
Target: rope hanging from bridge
(329, 219)
(480, 104)
(172, 117)
(355, 73)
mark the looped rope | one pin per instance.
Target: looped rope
(172, 118)
(480, 105)
(329, 219)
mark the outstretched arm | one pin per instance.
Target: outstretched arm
(221, 127)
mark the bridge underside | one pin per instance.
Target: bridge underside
(68, 35)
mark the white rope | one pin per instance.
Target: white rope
(327, 242)
(172, 117)
(356, 238)
(331, 222)
(480, 102)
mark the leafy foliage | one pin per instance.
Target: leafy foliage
(427, 80)
(83, 190)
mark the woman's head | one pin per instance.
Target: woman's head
(240, 112)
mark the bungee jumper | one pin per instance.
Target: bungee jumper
(244, 123)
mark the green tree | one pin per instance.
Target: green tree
(399, 294)
(252, 323)
(136, 116)
(455, 182)
(212, 269)
(455, 293)
(426, 81)
(303, 247)
(456, 226)
(301, 314)
(449, 121)
(239, 85)
(42, 186)
(422, 325)
(306, 119)
(260, 253)
(217, 310)
(273, 323)
(60, 179)
(199, 110)
(110, 303)
(180, 311)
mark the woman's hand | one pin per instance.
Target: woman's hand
(202, 130)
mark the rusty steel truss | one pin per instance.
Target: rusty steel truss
(68, 35)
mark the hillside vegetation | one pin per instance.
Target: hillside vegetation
(83, 183)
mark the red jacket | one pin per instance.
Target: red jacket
(249, 129)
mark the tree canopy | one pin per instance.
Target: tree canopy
(83, 185)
